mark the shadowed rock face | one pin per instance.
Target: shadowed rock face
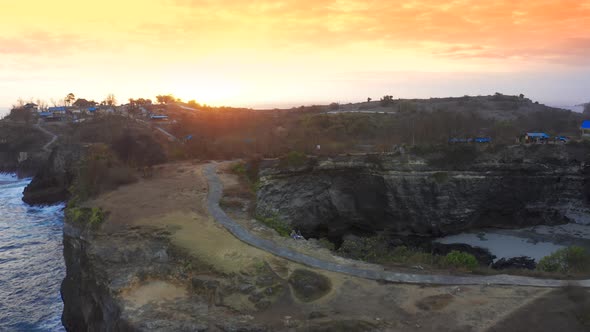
(50, 184)
(348, 195)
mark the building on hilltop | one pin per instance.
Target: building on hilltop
(536, 138)
(31, 106)
(58, 109)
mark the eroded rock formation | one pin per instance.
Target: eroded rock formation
(405, 194)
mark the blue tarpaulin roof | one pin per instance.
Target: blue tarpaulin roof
(45, 114)
(57, 109)
(585, 124)
(539, 135)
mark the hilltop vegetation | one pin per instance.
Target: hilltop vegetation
(374, 126)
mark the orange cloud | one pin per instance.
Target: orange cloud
(260, 42)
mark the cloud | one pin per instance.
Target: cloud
(507, 28)
(43, 43)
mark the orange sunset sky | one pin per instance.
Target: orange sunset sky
(277, 53)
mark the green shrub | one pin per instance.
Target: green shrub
(92, 217)
(327, 244)
(293, 159)
(440, 177)
(371, 249)
(98, 172)
(238, 168)
(573, 259)
(275, 223)
(458, 259)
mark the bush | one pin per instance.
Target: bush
(326, 244)
(293, 159)
(458, 259)
(238, 168)
(386, 100)
(98, 172)
(138, 151)
(275, 223)
(573, 259)
(92, 217)
(440, 177)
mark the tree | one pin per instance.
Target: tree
(83, 103)
(369, 100)
(386, 100)
(69, 99)
(110, 100)
(587, 109)
(165, 99)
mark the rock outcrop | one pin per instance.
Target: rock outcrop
(52, 180)
(521, 262)
(404, 194)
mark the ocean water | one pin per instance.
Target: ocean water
(31, 261)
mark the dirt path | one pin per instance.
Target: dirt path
(53, 136)
(215, 194)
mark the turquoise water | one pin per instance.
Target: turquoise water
(31, 261)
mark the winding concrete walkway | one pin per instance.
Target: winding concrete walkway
(215, 194)
(170, 136)
(53, 136)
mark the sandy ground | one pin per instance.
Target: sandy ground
(174, 200)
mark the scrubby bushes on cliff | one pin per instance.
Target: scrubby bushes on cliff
(458, 259)
(377, 250)
(573, 259)
(138, 151)
(248, 173)
(275, 223)
(98, 172)
(91, 217)
(293, 159)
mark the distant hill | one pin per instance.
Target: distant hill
(497, 107)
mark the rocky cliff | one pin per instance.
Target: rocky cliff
(418, 195)
(54, 176)
(21, 148)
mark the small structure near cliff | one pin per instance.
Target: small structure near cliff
(585, 128)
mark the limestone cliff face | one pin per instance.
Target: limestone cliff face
(53, 177)
(368, 194)
(89, 302)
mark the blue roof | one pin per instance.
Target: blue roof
(483, 139)
(585, 124)
(44, 114)
(540, 135)
(58, 109)
(159, 117)
(92, 109)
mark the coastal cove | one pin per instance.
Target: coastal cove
(31, 261)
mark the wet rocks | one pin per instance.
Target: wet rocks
(522, 262)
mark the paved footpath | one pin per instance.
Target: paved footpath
(215, 194)
(53, 136)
